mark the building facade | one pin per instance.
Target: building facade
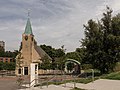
(2, 45)
(6, 59)
(29, 53)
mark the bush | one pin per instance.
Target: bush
(86, 66)
(7, 66)
(88, 73)
(117, 67)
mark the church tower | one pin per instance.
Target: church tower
(27, 42)
(29, 53)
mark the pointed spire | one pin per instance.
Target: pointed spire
(28, 28)
(28, 13)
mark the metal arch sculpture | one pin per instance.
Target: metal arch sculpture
(73, 61)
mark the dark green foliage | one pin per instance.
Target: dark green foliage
(86, 66)
(46, 63)
(57, 56)
(70, 66)
(76, 55)
(102, 42)
(9, 54)
(88, 73)
(60, 63)
(73, 55)
(52, 52)
(117, 67)
(7, 66)
(48, 49)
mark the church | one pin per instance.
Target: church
(29, 52)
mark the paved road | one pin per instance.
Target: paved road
(101, 84)
(8, 83)
(104, 84)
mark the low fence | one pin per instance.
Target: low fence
(7, 73)
(42, 72)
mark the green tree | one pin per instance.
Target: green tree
(102, 43)
(7, 66)
(70, 66)
(9, 54)
(46, 63)
(60, 58)
(93, 43)
(57, 56)
(110, 39)
(73, 55)
(52, 52)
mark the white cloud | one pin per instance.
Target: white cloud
(54, 22)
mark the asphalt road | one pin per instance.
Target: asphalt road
(8, 83)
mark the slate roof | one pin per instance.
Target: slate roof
(41, 52)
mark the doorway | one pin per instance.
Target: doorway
(25, 70)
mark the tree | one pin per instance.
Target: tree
(7, 66)
(93, 43)
(60, 62)
(81, 53)
(73, 55)
(46, 63)
(110, 39)
(52, 52)
(102, 43)
(57, 56)
(9, 54)
(59, 59)
(70, 66)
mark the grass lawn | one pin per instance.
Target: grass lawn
(84, 80)
(80, 80)
(77, 89)
(112, 76)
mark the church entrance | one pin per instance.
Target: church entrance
(25, 70)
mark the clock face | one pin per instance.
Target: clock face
(26, 38)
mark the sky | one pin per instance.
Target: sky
(54, 22)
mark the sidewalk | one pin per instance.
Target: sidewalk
(50, 87)
(101, 84)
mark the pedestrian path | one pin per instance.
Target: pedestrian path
(101, 84)
(51, 87)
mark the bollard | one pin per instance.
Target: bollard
(47, 83)
(92, 75)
